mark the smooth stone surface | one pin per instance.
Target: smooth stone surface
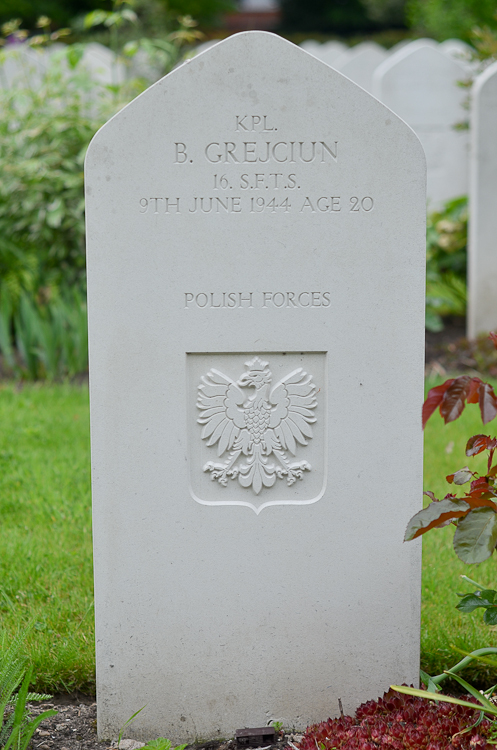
(482, 249)
(327, 52)
(360, 62)
(420, 84)
(424, 41)
(256, 317)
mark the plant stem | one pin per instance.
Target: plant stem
(464, 663)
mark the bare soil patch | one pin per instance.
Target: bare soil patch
(449, 351)
(75, 728)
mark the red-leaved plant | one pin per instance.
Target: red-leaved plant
(401, 722)
(475, 513)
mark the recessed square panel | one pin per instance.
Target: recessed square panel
(257, 431)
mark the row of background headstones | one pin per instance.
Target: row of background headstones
(420, 82)
(24, 65)
(417, 80)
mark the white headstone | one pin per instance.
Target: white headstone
(103, 64)
(205, 46)
(420, 84)
(22, 67)
(311, 46)
(425, 41)
(463, 53)
(482, 255)
(360, 62)
(456, 47)
(327, 52)
(256, 253)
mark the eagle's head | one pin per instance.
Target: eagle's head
(258, 373)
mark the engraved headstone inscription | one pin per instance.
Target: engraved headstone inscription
(255, 228)
(482, 248)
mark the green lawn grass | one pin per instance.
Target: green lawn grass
(443, 629)
(45, 531)
(45, 539)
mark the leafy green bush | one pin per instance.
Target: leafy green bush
(44, 133)
(445, 19)
(332, 16)
(446, 259)
(48, 116)
(44, 340)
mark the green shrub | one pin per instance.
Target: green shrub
(47, 119)
(446, 258)
(331, 16)
(445, 19)
(44, 133)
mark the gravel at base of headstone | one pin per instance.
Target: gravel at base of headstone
(256, 275)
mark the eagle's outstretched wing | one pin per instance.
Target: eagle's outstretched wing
(293, 400)
(218, 399)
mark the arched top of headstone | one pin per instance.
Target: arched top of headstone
(359, 63)
(453, 46)
(404, 49)
(488, 77)
(327, 52)
(462, 52)
(420, 83)
(255, 72)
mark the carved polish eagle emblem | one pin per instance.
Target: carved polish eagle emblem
(260, 427)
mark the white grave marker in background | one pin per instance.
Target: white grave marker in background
(360, 62)
(327, 52)
(482, 249)
(22, 67)
(103, 64)
(420, 84)
(256, 253)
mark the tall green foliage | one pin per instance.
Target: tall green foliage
(16, 728)
(444, 19)
(332, 16)
(446, 257)
(45, 128)
(44, 132)
(48, 114)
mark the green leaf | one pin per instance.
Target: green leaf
(161, 743)
(424, 677)
(476, 535)
(127, 723)
(443, 698)
(435, 514)
(469, 603)
(471, 690)
(490, 616)
(95, 18)
(74, 54)
(487, 596)
(129, 15)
